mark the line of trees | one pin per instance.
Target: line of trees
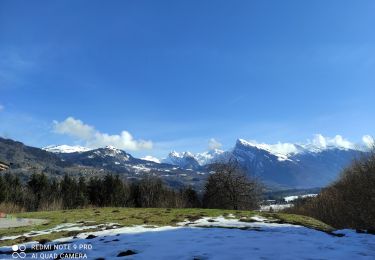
(228, 188)
(42, 193)
(347, 203)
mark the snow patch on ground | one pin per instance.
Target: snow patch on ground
(222, 238)
(62, 227)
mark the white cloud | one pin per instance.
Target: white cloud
(338, 141)
(75, 128)
(151, 159)
(368, 141)
(284, 148)
(213, 144)
(1, 107)
(319, 141)
(93, 138)
(122, 141)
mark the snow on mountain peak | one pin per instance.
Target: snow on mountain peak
(112, 151)
(175, 154)
(280, 150)
(208, 157)
(110, 147)
(318, 144)
(65, 149)
(184, 159)
(204, 158)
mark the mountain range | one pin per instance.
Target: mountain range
(279, 166)
(57, 161)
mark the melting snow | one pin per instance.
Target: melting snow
(220, 238)
(62, 227)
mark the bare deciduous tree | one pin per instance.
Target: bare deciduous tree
(229, 187)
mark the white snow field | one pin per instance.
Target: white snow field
(215, 238)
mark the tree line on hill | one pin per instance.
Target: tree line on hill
(349, 202)
(227, 188)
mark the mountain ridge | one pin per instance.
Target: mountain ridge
(27, 160)
(286, 165)
(305, 168)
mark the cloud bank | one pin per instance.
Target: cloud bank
(94, 138)
(338, 141)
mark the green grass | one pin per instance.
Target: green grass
(299, 220)
(138, 216)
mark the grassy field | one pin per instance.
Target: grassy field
(137, 216)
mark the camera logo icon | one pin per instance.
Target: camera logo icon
(19, 251)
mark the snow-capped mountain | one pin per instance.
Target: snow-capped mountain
(281, 151)
(96, 162)
(282, 164)
(302, 166)
(99, 157)
(65, 149)
(209, 157)
(286, 151)
(193, 161)
(185, 160)
(313, 164)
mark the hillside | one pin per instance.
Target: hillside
(26, 160)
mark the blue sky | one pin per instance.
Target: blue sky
(178, 73)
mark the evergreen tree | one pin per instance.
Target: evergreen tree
(39, 187)
(69, 188)
(81, 199)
